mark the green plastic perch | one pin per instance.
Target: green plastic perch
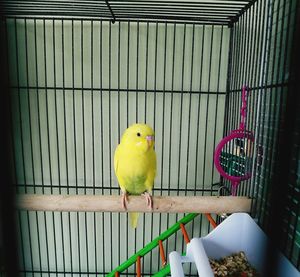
(154, 243)
(163, 272)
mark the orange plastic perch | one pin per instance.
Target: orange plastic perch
(162, 253)
(138, 266)
(211, 220)
(185, 235)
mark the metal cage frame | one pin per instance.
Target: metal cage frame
(261, 53)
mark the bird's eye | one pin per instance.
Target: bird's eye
(138, 134)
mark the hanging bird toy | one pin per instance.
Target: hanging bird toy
(233, 155)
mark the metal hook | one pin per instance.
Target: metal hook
(222, 187)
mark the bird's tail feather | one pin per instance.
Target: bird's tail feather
(133, 219)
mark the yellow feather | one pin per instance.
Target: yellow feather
(133, 219)
(135, 161)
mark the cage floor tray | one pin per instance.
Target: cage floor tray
(238, 232)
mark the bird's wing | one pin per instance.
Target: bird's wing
(116, 159)
(151, 173)
(116, 167)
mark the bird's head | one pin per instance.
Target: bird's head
(139, 136)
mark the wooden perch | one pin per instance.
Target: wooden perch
(112, 203)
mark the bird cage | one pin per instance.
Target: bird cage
(78, 73)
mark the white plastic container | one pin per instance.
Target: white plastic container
(238, 232)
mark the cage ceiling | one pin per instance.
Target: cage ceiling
(217, 12)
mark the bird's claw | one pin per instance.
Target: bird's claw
(148, 199)
(124, 200)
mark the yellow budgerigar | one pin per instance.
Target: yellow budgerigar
(135, 164)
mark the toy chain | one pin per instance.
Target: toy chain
(243, 112)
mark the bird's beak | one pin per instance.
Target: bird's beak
(150, 140)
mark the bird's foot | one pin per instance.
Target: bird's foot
(124, 200)
(148, 199)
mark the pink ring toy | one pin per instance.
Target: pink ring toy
(240, 133)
